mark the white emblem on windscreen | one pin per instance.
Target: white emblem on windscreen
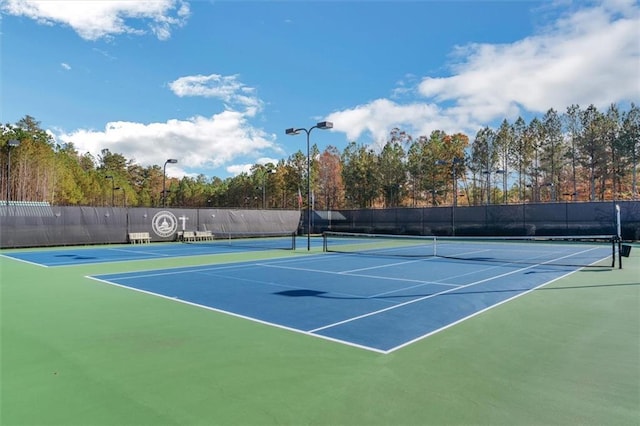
(164, 224)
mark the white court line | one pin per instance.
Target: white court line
(233, 314)
(376, 277)
(195, 269)
(453, 277)
(149, 256)
(146, 253)
(483, 310)
(386, 265)
(24, 261)
(313, 333)
(435, 294)
(154, 272)
(294, 287)
(398, 290)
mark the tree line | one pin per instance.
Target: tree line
(579, 155)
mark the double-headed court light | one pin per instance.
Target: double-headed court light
(113, 187)
(12, 143)
(164, 179)
(323, 125)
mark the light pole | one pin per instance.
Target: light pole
(490, 182)
(504, 184)
(13, 143)
(454, 204)
(264, 186)
(164, 179)
(488, 174)
(124, 195)
(112, 187)
(323, 125)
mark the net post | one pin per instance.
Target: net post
(619, 253)
(618, 238)
(293, 241)
(324, 241)
(618, 224)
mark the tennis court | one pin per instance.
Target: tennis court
(376, 302)
(372, 331)
(124, 253)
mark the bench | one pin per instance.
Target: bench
(188, 236)
(195, 236)
(204, 236)
(139, 237)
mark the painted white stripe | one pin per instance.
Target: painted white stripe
(24, 261)
(477, 313)
(233, 314)
(433, 295)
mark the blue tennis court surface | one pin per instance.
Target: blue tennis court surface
(86, 255)
(376, 303)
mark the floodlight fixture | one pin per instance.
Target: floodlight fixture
(112, 187)
(11, 143)
(322, 125)
(164, 179)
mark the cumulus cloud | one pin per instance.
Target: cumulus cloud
(65, 66)
(379, 116)
(93, 20)
(236, 169)
(588, 56)
(229, 89)
(202, 143)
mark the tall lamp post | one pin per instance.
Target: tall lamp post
(113, 187)
(264, 186)
(13, 143)
(454, 161)
(124, 195)
(164, 179)
(504, 184)
(323, 125)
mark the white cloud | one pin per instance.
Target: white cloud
(589, 56)
(93, 20)
(199, 143)
(65, 66)
(227, 88)
(378, 117)
(585, 58)
(237, 169)
(267, 160)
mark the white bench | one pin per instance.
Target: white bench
(188, 236)
(204, 236)
(139, 237)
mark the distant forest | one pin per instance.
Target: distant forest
(578, 155)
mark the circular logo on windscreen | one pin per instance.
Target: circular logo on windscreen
(164, 224)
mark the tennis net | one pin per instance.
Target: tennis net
(579, 251)
(250, 239)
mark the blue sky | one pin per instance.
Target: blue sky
(215, 84)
